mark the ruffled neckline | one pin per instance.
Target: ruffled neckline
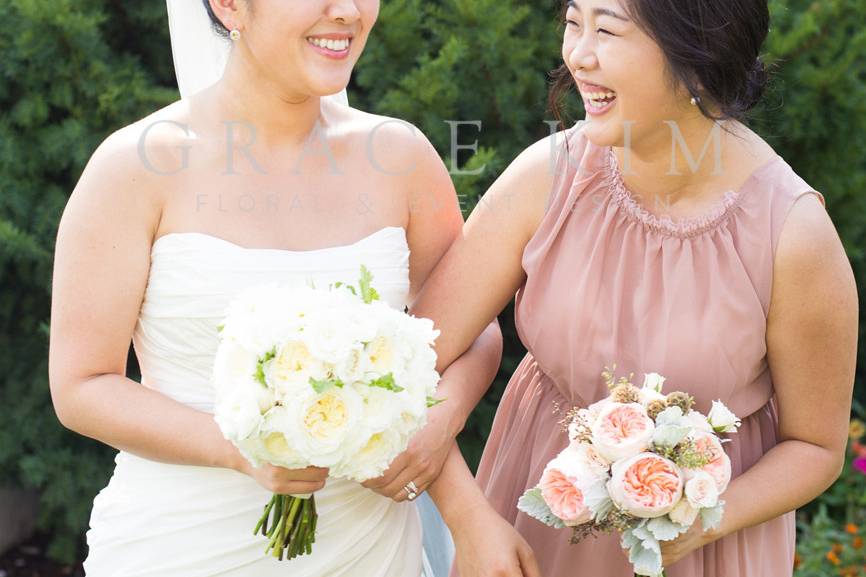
(686, 227)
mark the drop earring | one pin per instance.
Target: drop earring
(695, 100)
(235, 34)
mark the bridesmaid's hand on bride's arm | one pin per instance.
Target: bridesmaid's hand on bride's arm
(420, 463)
(462, 386)
(489, 546)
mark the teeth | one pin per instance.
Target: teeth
(333, 45)
(600, 95)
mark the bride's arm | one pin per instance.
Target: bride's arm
(102, 258)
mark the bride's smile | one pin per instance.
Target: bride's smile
(336, 46)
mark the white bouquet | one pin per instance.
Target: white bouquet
(331, 378)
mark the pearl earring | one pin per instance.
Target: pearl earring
(695, 100)
(235, 34)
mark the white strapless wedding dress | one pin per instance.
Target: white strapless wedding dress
(162, 520)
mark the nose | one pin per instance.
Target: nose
(344, 11)
(582, 55)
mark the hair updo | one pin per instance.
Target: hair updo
(711, 47)
(217, 24)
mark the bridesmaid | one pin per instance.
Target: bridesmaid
(728, 278)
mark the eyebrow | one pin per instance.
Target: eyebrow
(600, 11)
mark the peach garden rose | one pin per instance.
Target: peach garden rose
(622, 430)
(646, 485)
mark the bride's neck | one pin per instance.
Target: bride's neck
(280, 119)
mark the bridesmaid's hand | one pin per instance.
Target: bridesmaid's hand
(691, 540)
(489, 546)
(422, 461)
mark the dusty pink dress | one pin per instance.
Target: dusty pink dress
(607, 281)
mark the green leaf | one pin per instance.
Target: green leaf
(260, 368)
(320, 386)
(433, 401)
(534, 505)
(220, 327)
(368, 293)
(387, 383)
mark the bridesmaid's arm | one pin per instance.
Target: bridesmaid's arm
(476, 278)
(435, 221)
(812, 349)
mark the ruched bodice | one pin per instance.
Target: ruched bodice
(163, 520)
(194, 276)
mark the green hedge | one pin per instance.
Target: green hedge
(74, 71)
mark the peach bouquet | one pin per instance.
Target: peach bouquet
(640, 462)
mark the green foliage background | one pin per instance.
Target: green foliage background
(74, 71)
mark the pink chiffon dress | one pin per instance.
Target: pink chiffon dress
(609, 281)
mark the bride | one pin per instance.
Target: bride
(259, 176)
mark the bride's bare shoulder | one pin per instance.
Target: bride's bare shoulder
(386, 139)
(128, 172)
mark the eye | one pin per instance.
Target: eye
(603, 31)
(572, 23)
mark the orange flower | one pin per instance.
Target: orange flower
(851, 528)
(857, 429)
(838, 548)
(797, 560)
(833, 558)
(858, 542)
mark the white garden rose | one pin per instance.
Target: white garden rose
(239, 413)
(233, 364)
(327, 426)
(292, 368)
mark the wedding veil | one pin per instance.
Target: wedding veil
(200, 54)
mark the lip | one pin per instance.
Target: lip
(333, 55)
(590, 87)
(587, 87)
(333, 36)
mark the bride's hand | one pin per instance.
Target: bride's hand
(422, 461)
(488, 546)
(286, 481)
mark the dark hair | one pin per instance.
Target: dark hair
(711, 47)
(217, 24)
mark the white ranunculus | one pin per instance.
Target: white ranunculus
(722, 419)
(684, 513)
(585, 458)
(653, 382)
(646, 396)
(374, 457)
(701, 490)
(698, 421)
